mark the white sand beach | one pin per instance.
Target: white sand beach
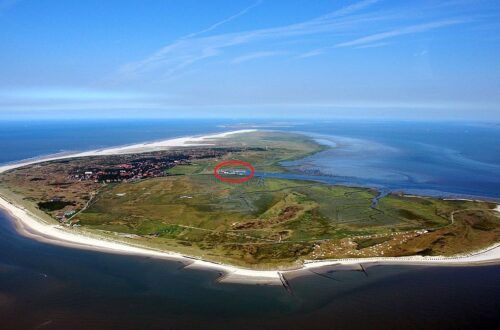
(164, 144)
(29, 225)
(188, 141)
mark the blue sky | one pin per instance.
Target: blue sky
(389, 59)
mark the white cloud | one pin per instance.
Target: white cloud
(224, 21)
(77, 98)
(313, 53)
(255, 55)
(187, 51)
(399, 32)
(67, 94)
(421, 53)
(374, 45)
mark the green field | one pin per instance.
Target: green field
(272, 222)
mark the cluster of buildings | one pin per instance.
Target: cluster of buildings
(134, 170)
(64, 216)
(234, 172)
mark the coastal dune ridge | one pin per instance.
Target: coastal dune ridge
(32, 226)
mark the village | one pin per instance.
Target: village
(133, 168)
(66, 187)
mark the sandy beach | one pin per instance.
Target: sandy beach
(30, 225)
(188, 141)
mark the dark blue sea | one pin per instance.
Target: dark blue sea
(53, 287)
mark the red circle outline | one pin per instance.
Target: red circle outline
(234, 162)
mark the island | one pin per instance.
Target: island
(164, 199)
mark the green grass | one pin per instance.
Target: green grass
(261, 222)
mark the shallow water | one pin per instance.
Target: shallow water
(428, 159)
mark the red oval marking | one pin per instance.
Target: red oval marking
(234, 162)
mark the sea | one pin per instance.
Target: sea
(48, 286)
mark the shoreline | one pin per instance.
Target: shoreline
(29, 225)
(188, 141)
